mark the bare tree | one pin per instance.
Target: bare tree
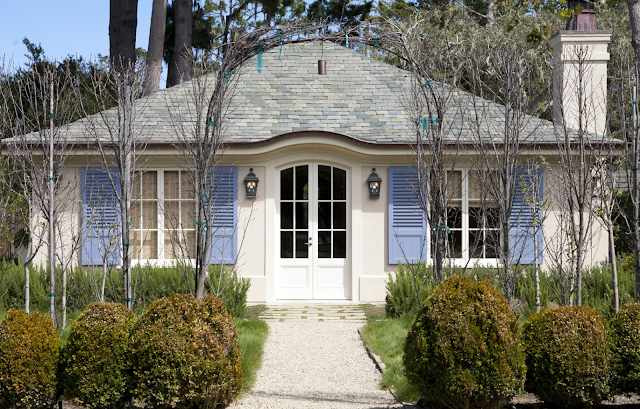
(578, 141)
(42, 101)
(503, 137)
(116, 133)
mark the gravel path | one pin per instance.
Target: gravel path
(316, 365)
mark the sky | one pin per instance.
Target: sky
(62, 27)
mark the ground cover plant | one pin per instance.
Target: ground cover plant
(252, 334)
(567, 356)
(386, 338)
(185, 353)
(150, 283)
(464, 349)
(29, 347)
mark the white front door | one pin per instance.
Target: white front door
(313, 233)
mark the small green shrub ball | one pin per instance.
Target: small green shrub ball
(185, 354)
(29, 347)
(624, 332)
(464, 349)
(94, 359)
(567, 356)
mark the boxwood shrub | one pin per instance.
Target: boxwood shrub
(464, 349)
(185, 354)
(93, 361)
(567, 356)
(29, 347)
(624, 331)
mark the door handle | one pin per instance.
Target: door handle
(309, 242)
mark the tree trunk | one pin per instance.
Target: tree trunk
(104, 280)
(634, 16)
(156, 47)
(635, 193)
(614, 265)
(51, 215)
(64, 299)
(123, 21)
(182, 53)
(489, 17)
(27, 298)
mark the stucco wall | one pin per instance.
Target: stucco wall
(258, 232)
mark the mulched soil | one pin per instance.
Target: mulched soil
(529, 401)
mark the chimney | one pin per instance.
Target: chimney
(580, 62)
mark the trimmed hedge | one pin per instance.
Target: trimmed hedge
(29, 347)
(464, 349)
(567, 356)
(94, 359)
(624, 331)
(185, 354)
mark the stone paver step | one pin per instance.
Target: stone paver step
(313, 312)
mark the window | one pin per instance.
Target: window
(179, 216)
(162, 216)
(144, 216)
(472, 216)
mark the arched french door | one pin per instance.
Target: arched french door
(313, 224)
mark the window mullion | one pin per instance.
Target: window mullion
(465, 214)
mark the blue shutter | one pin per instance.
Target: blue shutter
(224, 213)
(407, 225)
(524, 213)
(101, 217)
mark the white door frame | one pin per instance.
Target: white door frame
(312, 278)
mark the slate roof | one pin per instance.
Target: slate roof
(359, 97)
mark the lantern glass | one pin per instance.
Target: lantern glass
(374, 182)
(251, 184)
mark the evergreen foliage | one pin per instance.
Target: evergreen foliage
(94, 360)
(624, 333)
(185, 353)
(29, 347)
(464, 349)
(567, 356)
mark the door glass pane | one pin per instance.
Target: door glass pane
(302, 248)
(286, 244)
(324, 215)
(339, 215)
(339, 244)
(286, 184)
(324, 182)
(339, 184)
(324, 244)
(302, 215)
(302, 182)
(286, 215)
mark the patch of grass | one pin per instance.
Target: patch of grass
(373, 312)
(252, 334)
(255, 311)
(386, 338)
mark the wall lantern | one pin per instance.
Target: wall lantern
(374, 182)
(251, 183)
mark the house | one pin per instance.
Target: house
(314, 231)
